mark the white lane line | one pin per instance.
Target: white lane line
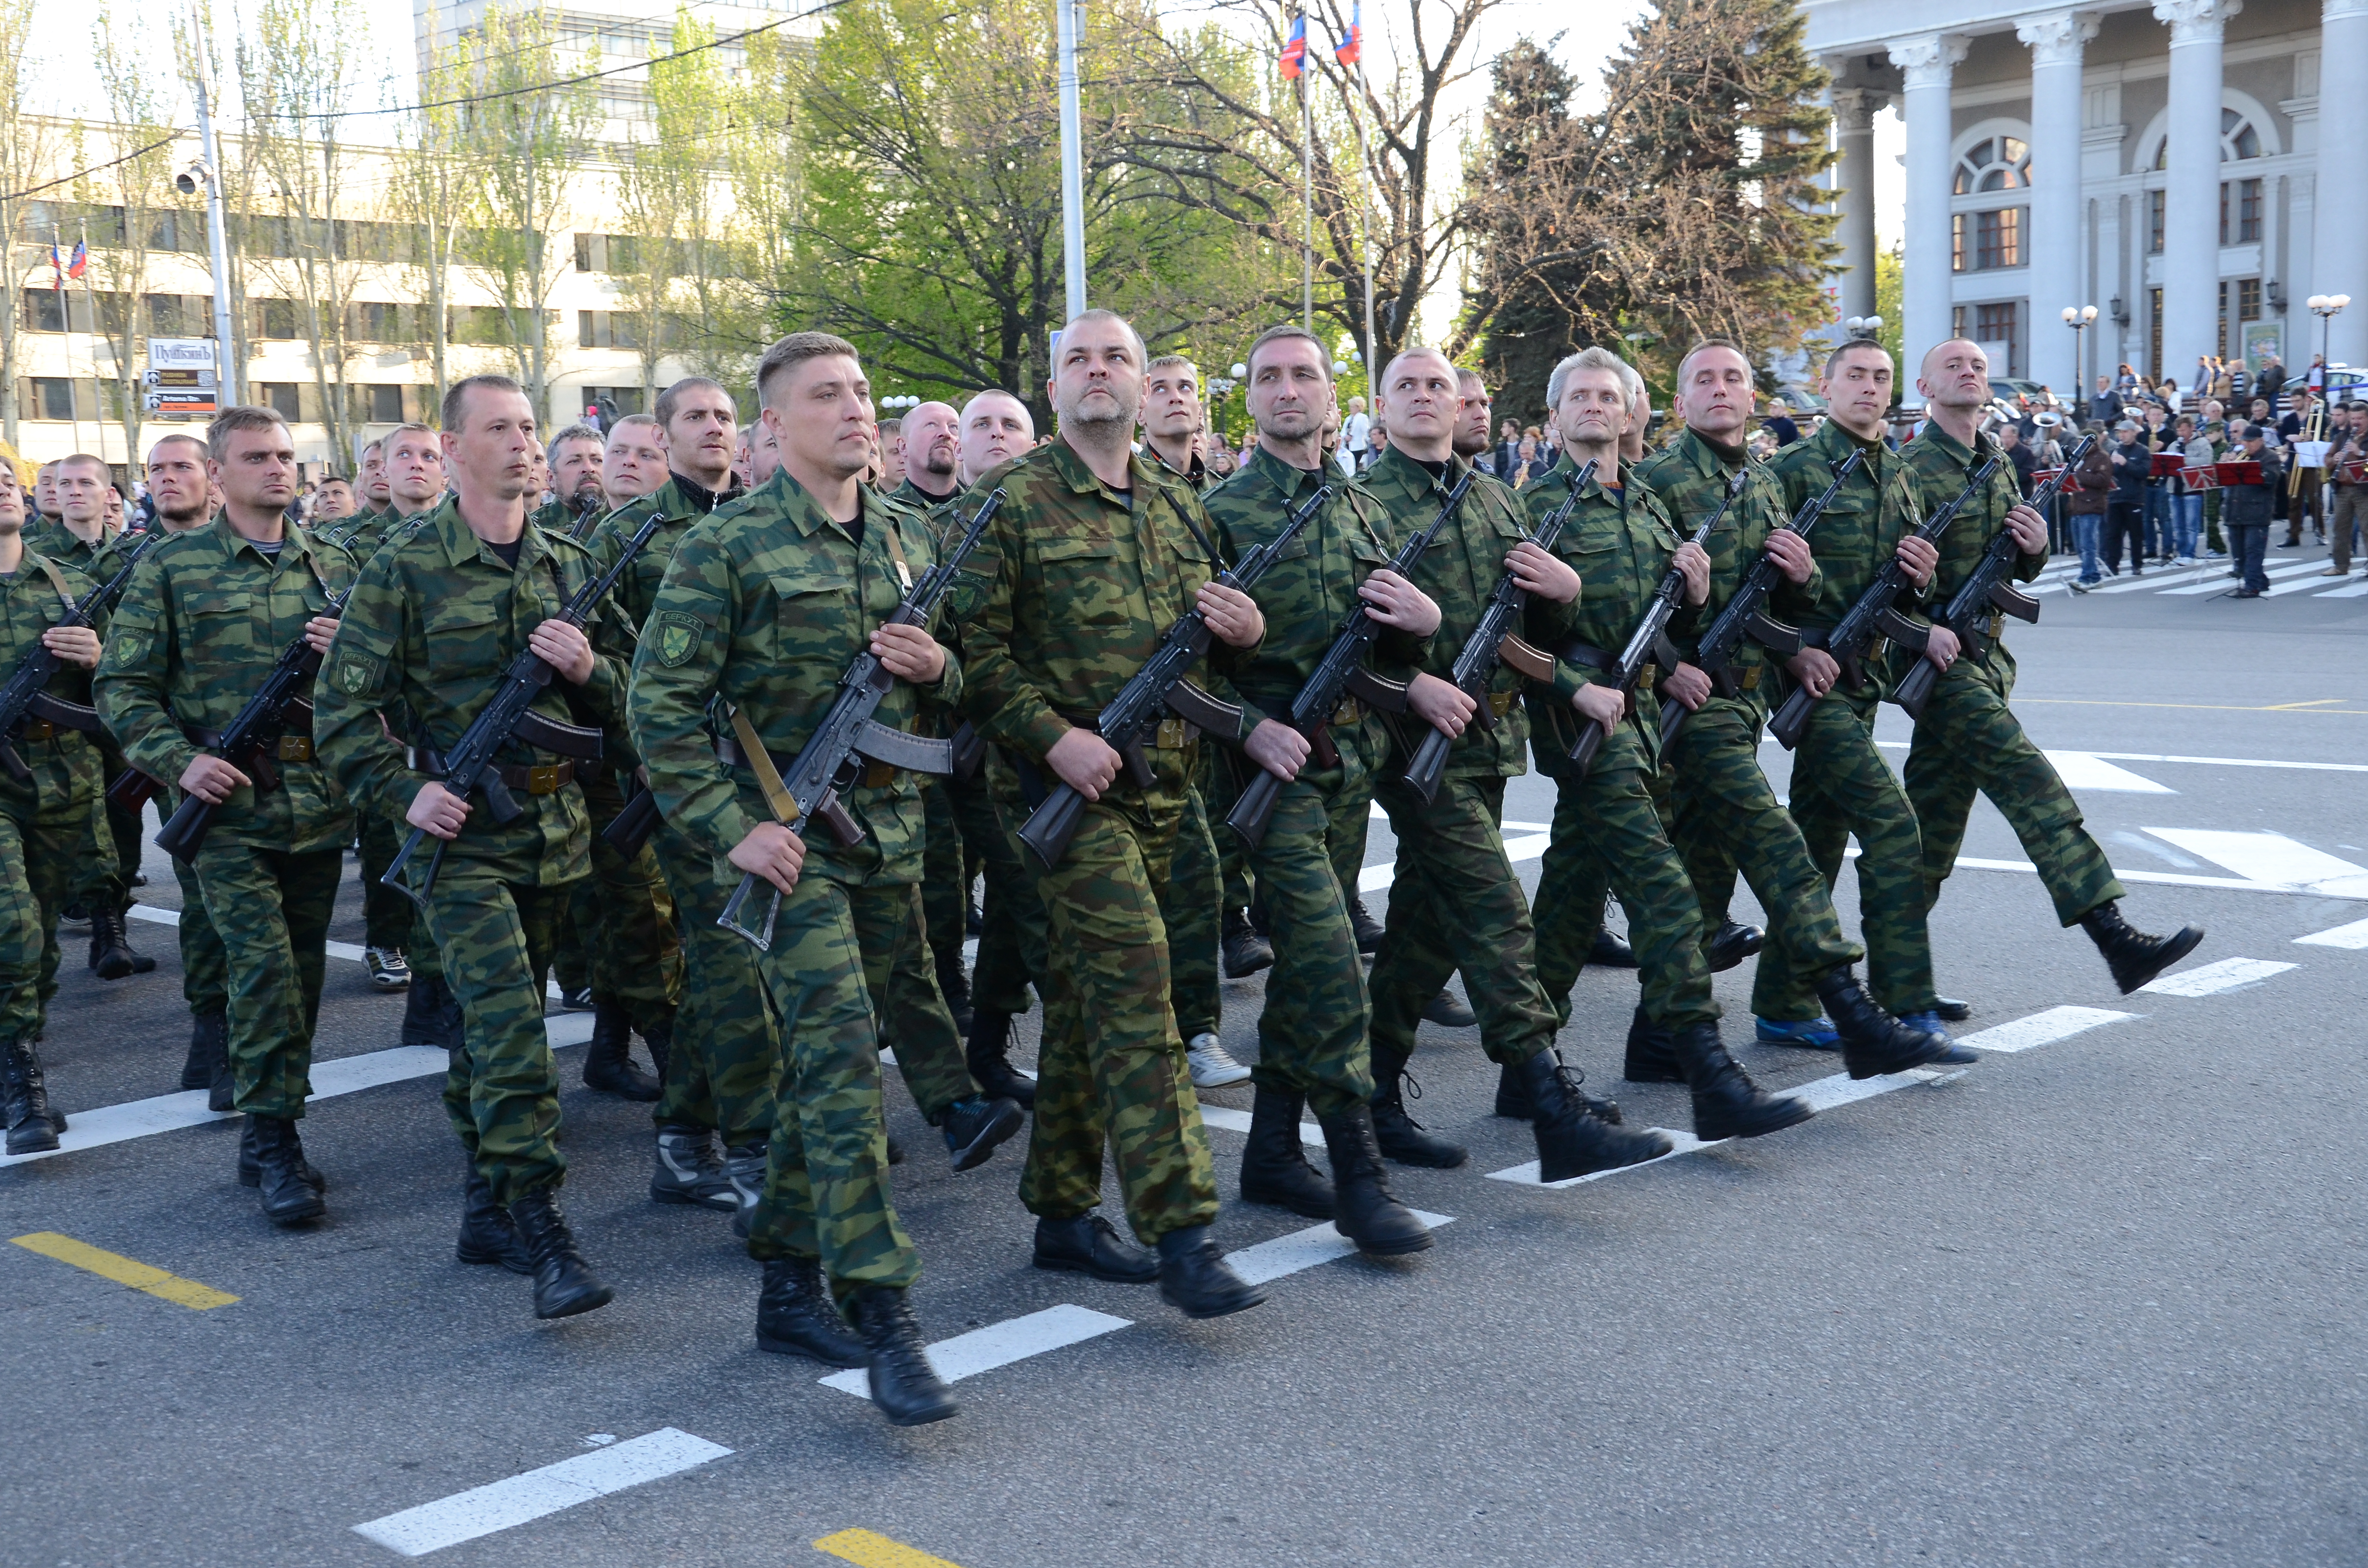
(344, 951)
(483, 1510)
(2202, 761)
(1529, 847)
(2173, 879)
(345, 1076)
(2042, 1028)
(2272, 858)
(2354, 936)
(999, 1345)
(2225, 583)
(2349, 591)
(1233, 1120)
(2301, 582)
(2161, 580)
(2228, 974)
(1316, 1244)
(2085, 770)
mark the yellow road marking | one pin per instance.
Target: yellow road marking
(125, 1271)
(2200, 707)
(2314, 702)
(866, 1549)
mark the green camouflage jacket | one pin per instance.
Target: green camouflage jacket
(360, 535)
(1197, 479)
(1459, 571)
(197, 630)
(1943, 466)
(682, 502)
(940, 510)
(61, 544)
(764, 605)
(1070, 591)
(424, 641)
(1859, 532)
(66, 764)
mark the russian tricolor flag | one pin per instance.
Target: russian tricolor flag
(1295, 51)
(1351, 49)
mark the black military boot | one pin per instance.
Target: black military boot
(1571, 1141)
(1368, 929)
(1610, 950)
(687, 1170)
(431, 1015)
(1274, 1167)
(1401, 1137)
(1244, 951)
(222, 1095)
(1731, 944)
(563, 1283)
(953, 983)
(250, 1160)
(608, 1059)
(1195, 1279)
(111, 953)
(1874, 1042)
(209, 1049)
(1513, 1098)
(1652, 1052)
(903, 1385)
(658, 1035)
(743, 1173)
(974, 1126)
(487, 1233)
(33, 1128)
(288, 1198)
(1727, 1104)
(1363, 1210)
(988, 1050)
(1088, 1243)
(2133, 956)
(795, 1315)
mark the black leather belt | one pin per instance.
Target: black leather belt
(541, 779)
(1173, 733)
(1603, 662)
(290, 748)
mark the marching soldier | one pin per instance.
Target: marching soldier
(761, 610)
(333, 500)
(577, 502)
(1968, 739)
(377, 497)
(1094, 555)
(205, 618)
(634, 461)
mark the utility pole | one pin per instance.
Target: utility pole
(1306, 187)
(217, 238)
(1073, 183)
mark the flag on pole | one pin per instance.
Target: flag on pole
(81, 262)
(57, 267)
(1295, 51)
(1352, 47)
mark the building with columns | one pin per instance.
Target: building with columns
(2160, 159)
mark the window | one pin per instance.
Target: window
(2249, 211)
(45, 311)
(1995, 324)
(1980, 241)
(181, 316)
(2154, 332)
(275, 320)
(2239, 140)
(607, 253)
(283, 398)
(2002, 163)
(379, 403)
(605, 329)
(377, 321)
(2248, 299)
(624, 400)
(53, 397)
(2154, 222)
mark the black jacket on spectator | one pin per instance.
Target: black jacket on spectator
(2105, 407)
(2130, 473)
(2271, 382)
(2025, 462)
(2245, 504)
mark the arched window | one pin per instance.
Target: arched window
(1998, 163)
(2239, 140)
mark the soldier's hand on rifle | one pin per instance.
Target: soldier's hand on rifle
(437, 811)
(2030, 531)
(565, 648)
(320, 631)
(909, 653)
(211, 779)
(773, 852)
(1605, 704)
(1540, 575)
(1790, 552)
(1441, 704)
(77, 645)
(1942, 647)
(1233, 616)
(1086, 762)
(1813, 669)
(1692, 562)
(1687, 684)
(1277, 748)
(1918, 557)
(1394, 602)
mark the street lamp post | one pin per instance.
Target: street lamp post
(2078, 318)
(2325, 307)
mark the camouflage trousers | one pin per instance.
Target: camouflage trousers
(1011, 925)
(1195, 925)
(205, 969)
(1455, 904)
(1312, 1034)
(271, 908)
(501, 1090)
(386, 913)
(726, 1056)
(1969, 739)
(40, 852)
(827, 1170)
(1842, 786)
(636, 952)
(109, 856)
(1726, 814)
(1112, 1059)
(949, 865)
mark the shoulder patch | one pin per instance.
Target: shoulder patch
(354, 671)
(678, 635)
(126, 650)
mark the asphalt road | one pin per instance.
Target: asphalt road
(2096, 1301)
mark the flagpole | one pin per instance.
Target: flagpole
(65, 331)
(1364, 151)
(90, 298)
(1072, 199)
(1307, 184)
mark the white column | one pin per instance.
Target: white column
(2190, 230)
(2054, 243)
(1854, 113)
(1925, 63)
(2340, 248)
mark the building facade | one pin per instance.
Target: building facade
(2176, 163)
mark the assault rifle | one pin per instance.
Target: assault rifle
(1341, 671)
(1875, 614)
(25, 696)
(1492, 641)
(1746, 614)
(849, 736)
(1158, 687)
(252, 739)
(1984, 590)
(469, 767)
(1645, 646)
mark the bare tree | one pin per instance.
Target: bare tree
(666, 193)
(27, 141)
(130, 205)
(433, 193)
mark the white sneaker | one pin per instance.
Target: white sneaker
(1211, 1068)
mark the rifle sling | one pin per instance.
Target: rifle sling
(777, 799)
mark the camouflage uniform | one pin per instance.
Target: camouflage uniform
(1312, 1034)
(1607, 832)
(1207, 861)
(1842, 786)
(1968, 739)
(205, 617)
(386, 913)
(1454, 900)
(1069, 592)
(110, 854)
(951, 860)
(1724, 812)
(44, 821)
(425, 639)
(763, 607)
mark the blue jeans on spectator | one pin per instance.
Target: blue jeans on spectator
(2084, 536)
(2155, 540)
(2187, 511)
(2247, 542)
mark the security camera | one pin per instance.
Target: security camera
(194, 178)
